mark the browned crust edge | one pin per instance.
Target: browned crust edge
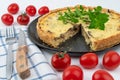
(106, 43)
(45, 36)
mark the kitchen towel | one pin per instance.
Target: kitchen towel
(39, 67)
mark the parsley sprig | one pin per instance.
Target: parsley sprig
(96, 18)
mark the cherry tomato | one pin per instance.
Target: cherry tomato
(13, 8)
(23, 19)
(73, 72)
(89, 60)
(111, 60)
(31, 10)
(7, 19)
(60, 60)
(43, 10)
(102, 75)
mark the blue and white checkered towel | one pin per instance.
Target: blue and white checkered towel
(39, 67)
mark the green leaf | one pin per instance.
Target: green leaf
(81, 8)
(75, 20)
(77, 12)
(98, 9)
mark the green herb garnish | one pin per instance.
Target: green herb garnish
(96, 18)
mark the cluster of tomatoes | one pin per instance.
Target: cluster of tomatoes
(22, 19)
(61, 61)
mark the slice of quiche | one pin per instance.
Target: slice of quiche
(53, 31)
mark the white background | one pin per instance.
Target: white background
(53, 4)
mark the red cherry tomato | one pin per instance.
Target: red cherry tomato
(73, 72)
(89, 60)
(23, 19)
(43, 10)
(101, 75)
(31, 10)
(60, 61)
(13, 8)
(7, 19)
(111, 60)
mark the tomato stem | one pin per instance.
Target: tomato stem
(24, 14)
(61, 54)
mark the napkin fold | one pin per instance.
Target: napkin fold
(39, 67)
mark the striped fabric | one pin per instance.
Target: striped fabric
(39, 67)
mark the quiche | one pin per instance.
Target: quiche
(54, 32)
